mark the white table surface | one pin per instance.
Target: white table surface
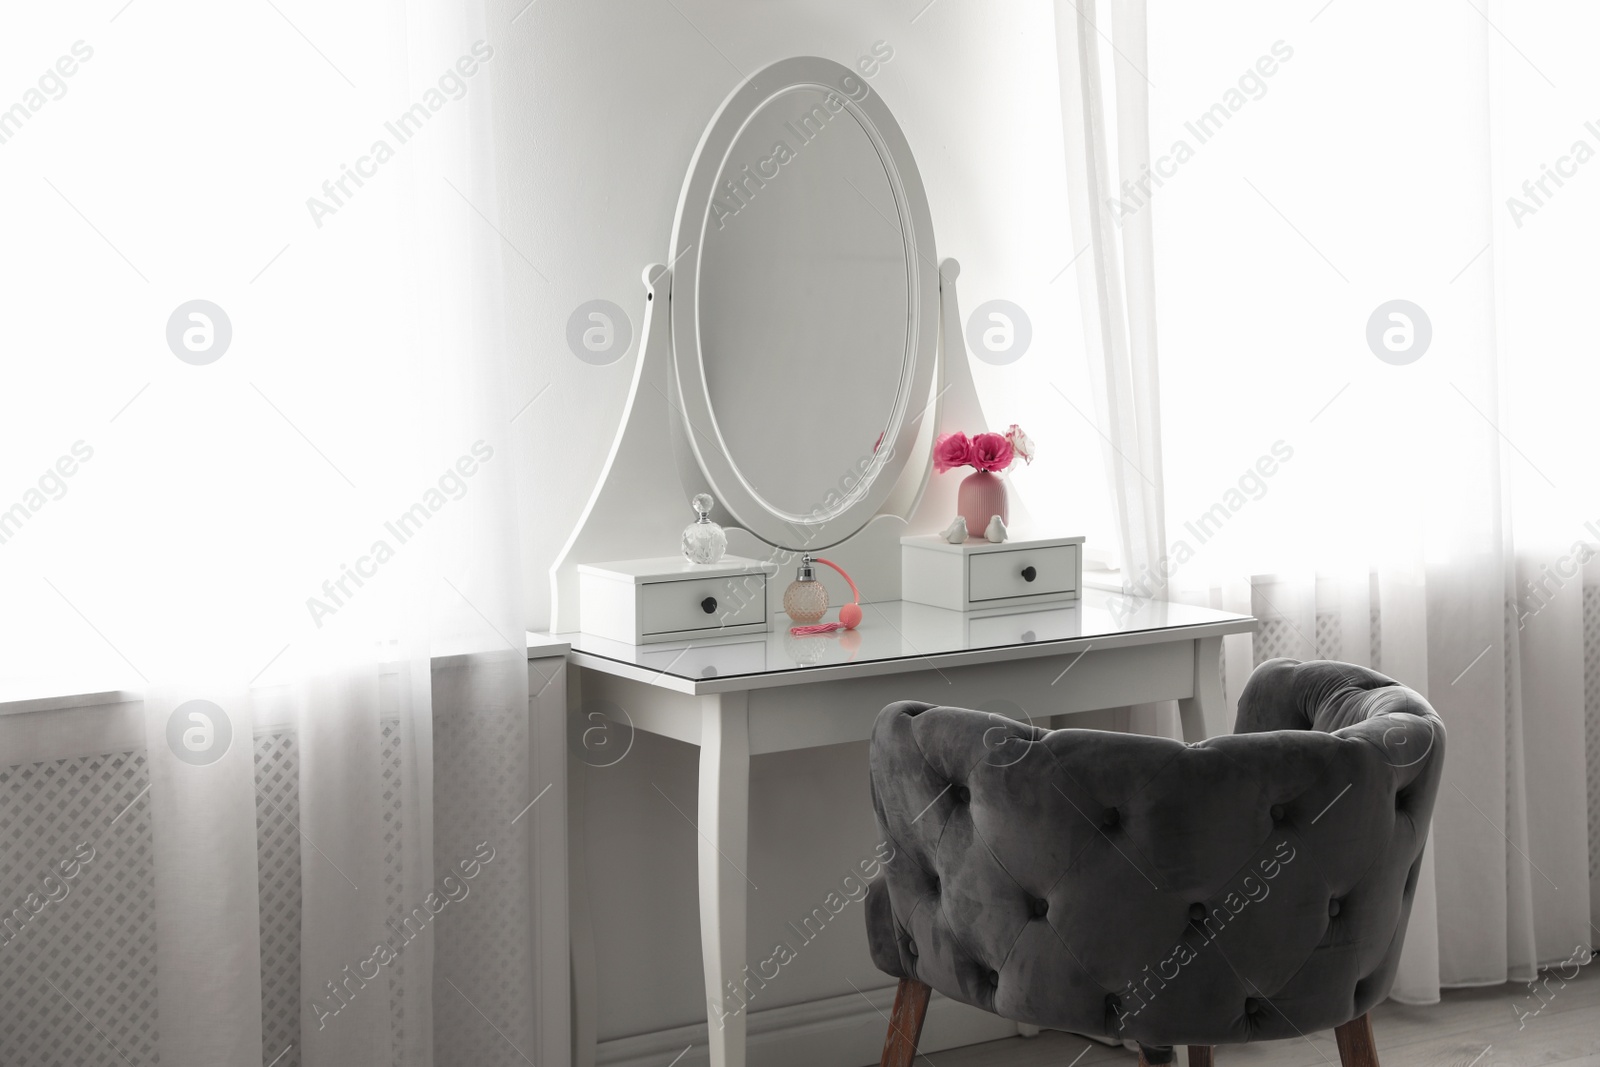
(894, 636)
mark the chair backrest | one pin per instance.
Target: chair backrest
(1247, 887)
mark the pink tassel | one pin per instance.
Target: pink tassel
(824, 628)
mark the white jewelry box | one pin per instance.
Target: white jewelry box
(983, 574)
(641, 601)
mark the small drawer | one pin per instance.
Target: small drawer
(704, 604)
(1022, 572)
(983, 574)
(642, 601)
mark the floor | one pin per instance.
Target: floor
(1469, 1028)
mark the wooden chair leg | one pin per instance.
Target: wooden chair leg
(1200, 1056)
(905, 1023)
(1356, 1047)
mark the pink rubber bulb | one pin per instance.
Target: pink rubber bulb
(850, 615)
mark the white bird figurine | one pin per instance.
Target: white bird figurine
(956, 532)
(997, 530)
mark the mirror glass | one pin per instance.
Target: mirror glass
(804, 309)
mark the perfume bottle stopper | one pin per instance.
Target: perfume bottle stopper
(703, 540)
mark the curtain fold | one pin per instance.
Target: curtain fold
(1419, 512)
(202, 830)
(296, 541)
(1117, 294)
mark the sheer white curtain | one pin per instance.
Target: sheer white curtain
(282, 518)
(1402, 485)
(1117, 294)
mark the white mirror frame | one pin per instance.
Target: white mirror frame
(844, 512)
(640, 501)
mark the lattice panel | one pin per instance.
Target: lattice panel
(1509, 624)
(1375, 639)
(480, 785)
(1272, 639)
(1591, 720)
(394, 887)
(1277, 637)
(1330, 636)
(277, 769)
(77, 977)
(278, 857)
(1506, 631)
(98, 943)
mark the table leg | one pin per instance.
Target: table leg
(550, 878)
(585, 996)
(1203, 714)
(724, 869)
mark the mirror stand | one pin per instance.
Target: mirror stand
(637, 507)
(640, 502)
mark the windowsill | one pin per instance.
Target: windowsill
(77, 693)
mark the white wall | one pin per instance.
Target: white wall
(602, 105)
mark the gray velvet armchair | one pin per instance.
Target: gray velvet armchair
(1248, 887)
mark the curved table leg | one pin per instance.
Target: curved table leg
(724, 866)
(581, 922)
(1203, 715)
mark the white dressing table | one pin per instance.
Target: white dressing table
(736, 697)
(801, 353)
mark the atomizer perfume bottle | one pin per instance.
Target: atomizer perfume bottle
(806, 599)
(703, 540)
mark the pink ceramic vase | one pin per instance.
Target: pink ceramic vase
(981, 497)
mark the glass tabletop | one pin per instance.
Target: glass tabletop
(901, 630)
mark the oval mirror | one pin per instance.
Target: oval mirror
(804, 303)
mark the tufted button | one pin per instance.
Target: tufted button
(962, 794)
(1039, 907)
(1113, 1003)
(934, 887)
(911, 948)
(1197, 912)
(994, 978)
(1110, 817)
(1277, 813)
(1252, 1006)
(1333, 907)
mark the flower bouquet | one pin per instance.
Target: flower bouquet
(982, 495)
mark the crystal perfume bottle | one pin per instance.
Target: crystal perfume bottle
(806, 599)
(703, 540)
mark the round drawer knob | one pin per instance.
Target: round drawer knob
(708, 605)
(1029, 574)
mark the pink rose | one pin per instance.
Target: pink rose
(951, 450)
(1021, 443)
(992, 452)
